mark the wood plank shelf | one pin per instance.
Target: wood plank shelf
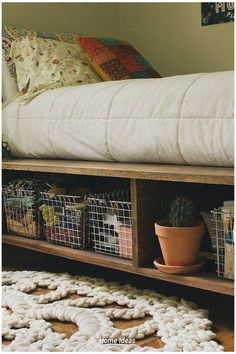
(67, 252)
(150, 185)
(202, 280)
(175, 173)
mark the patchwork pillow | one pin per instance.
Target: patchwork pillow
(116, 60)
(43, 64)
(11, 33)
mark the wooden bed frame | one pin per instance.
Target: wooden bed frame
(149, 183)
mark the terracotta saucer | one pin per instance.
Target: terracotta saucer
(159, 263)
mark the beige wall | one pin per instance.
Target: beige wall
(169, 35)
(92, 19)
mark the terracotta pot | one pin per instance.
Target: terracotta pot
(179, 245)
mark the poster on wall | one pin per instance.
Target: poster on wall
(217, 12)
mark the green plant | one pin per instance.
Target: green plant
(182, 213)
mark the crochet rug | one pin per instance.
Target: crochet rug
(179, 323)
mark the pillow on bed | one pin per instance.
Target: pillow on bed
(43, 64)
(11, 33)
(116, 60)
(133, 63)
(9, 87)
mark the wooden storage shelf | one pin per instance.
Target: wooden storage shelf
(202, 280)
(149, 184)
(194, 174)
(85, 256)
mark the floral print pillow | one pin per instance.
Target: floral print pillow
(11, 33)
(43, 64)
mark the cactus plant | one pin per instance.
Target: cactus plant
(180, 235)
(182, 213)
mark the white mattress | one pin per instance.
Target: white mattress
(176, 120)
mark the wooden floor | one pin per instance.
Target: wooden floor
(221, 307)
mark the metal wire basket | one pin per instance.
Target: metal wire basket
(223, 226)
(65, 219)
(110, 223)
(22, 211)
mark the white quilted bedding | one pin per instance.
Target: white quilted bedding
(176, 120)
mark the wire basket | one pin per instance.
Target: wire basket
(223, 226)
(22, 210)
(110, 223)
(65, 219)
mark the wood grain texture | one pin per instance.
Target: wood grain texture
(222, 324)
(201, 280)
(196, 174)
(146, 199)
(67, 252)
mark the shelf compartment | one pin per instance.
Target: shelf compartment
(151, 199)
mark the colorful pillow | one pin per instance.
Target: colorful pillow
(11, 33)
(116, 60)
(43, 64)
(111, 59)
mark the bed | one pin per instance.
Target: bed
(186, 120)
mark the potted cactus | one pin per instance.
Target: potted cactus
(180, 234)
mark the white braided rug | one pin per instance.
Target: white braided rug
(179, 324)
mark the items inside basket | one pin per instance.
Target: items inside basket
(65, 219)
(21, 207)
(222, 225)
(70, 215)
(110, 223)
